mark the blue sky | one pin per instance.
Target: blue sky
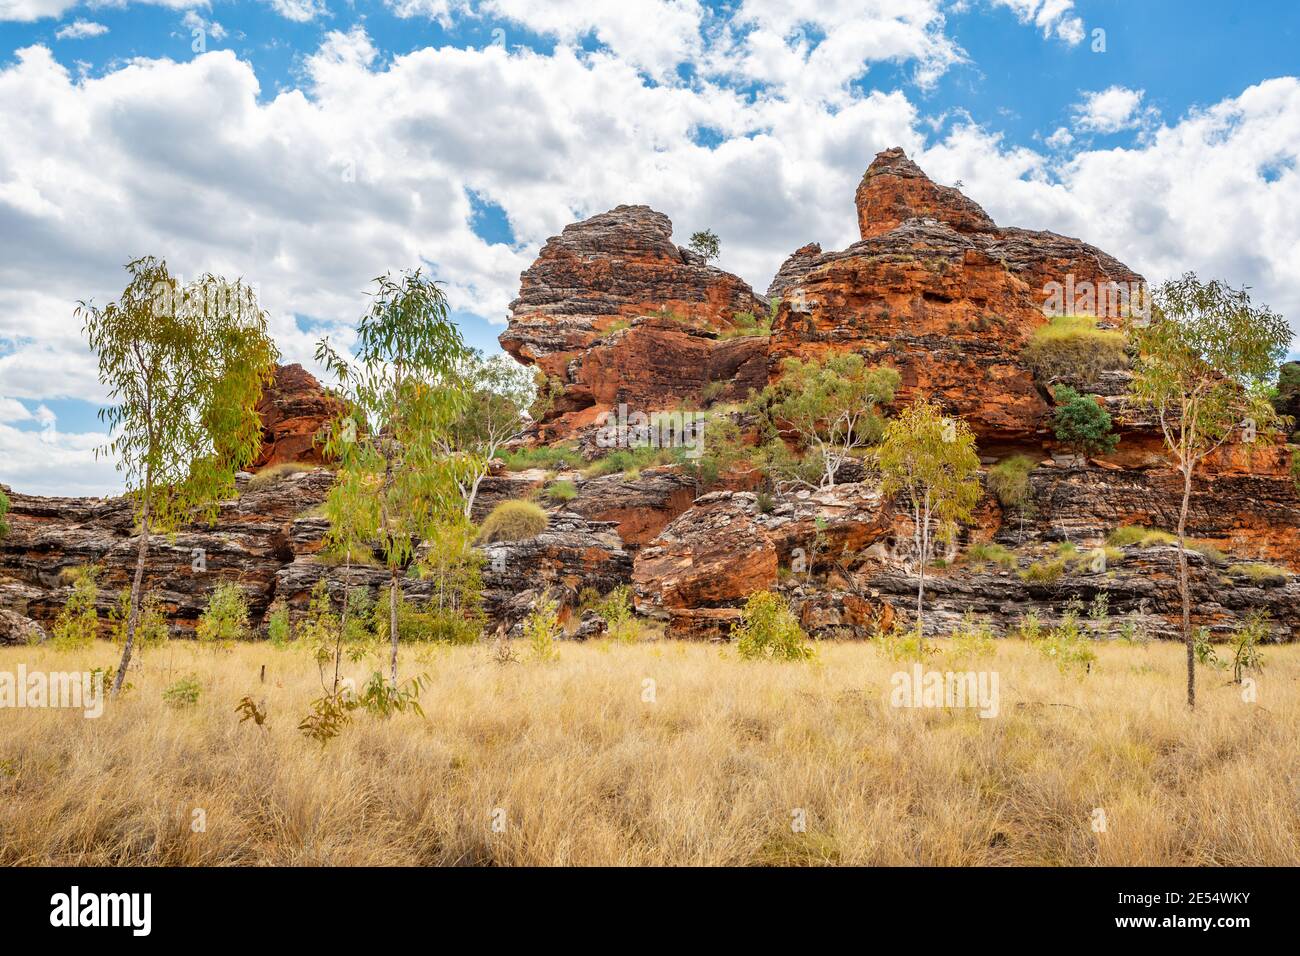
(308, 145)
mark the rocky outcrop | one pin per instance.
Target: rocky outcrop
(894, 190)
(294, 409)
(640, 507)
(17, 628)
(938, 291)
(698, 572)
(793, 269)
(616, 270)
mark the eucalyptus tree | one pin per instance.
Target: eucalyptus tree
(184, 366)
(498, 392)
(1205, 356)
(929, 459)
(395, 476)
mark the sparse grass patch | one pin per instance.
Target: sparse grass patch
(1128, 535)
(559, 492)
(1258, 572)
(991, 553)
(1071, 348)
(274, 473)
(1044, 571)
(1008, 481)
(630, 459)
(550, 457)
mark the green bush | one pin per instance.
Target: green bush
(542, 628)
(625, 460)
(1067, 646)
(562, 491)
(225, 620)
(514, 520)
(769, 631)
(1081, 424)
(986, 553)
(151, 628)
(1008, 481)
(973, 640)
(279, 630)
(4, 510)
(78, 623)
(1129, 534)
(616, 611)
(1071, 348)
(184, 692)
(430, 625)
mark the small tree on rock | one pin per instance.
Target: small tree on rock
(1081, 424)
(705, 242)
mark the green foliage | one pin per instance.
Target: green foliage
(400, 470)
(1295, 470)
(616, 611)
(1008, 481)
(78, 623)
(456, 568)
(1259, 572)
(831, 405)
(985, 553)
(1081, 424)
(770, 631)
(381, 699)
(319, 631)
(542, 628)
(431, 625)
(623, 460)
(225, 620)
(560, 492)
(4, 510)
(551, 457)
(1129, 535)
(1044, 571)
(929, 460)
(973, 640)
(1030, 627)
(184, 368)
(1245, 644)
(747, 323)
(499, 392)
(547, 389)
(898, 644)
(514, 520)
(705, 242)
(1071, 348)
(183, 693)
(1067, 646)
(151, 629)
(279, 629)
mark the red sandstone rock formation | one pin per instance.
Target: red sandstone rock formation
(293, 410)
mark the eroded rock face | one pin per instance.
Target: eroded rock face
(938, 291)
(894, 190)
(793, 269)
(611, 269)
(698, 572)
(639, 508)
(293, 411)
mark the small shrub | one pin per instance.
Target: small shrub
(4, 510)
(747, 323)
(225, 620)
(1008, 481)
(616, 611)
(973, 640)
(513, 520)
(1067, 646)
(1245, 644)
(432, 625)
(1030, 628)
(764, 503)
(1071, 348)
(1258, 572)
(624, 460)
(274, 473)
(78, 623)
(897, 644)
(183, 693)
(990, 553)
(1081, 424)
(279, 630)
(561, 491)
(542, 628)
(769, 631)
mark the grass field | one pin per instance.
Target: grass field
(568, 763)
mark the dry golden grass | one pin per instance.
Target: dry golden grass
(587, 772)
